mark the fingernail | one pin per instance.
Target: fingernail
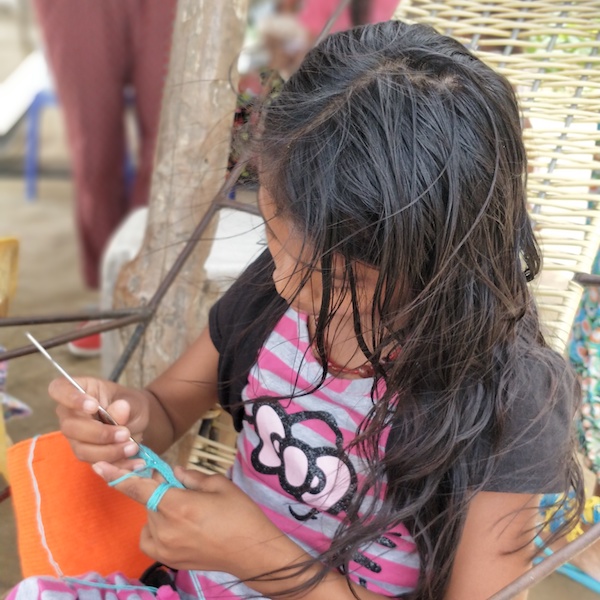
(98, 470)
(90, 405)
(130, 449)
(121, 435)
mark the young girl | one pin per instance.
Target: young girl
(398, 409)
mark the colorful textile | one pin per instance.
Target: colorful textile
(554, 511)
(584, 353)
(53, 494)
(293, 457)
(89, 587)
(292, 461)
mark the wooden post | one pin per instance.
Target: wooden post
(190, 165)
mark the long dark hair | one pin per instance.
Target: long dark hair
(396, 147)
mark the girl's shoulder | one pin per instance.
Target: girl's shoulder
(541, 397)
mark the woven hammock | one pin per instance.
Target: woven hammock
(550, 51)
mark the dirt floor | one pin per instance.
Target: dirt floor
(49, 282)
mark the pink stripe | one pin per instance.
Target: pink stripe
(288, 328)
(256, 389)
(211, 589)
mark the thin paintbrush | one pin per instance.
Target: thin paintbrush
(102, 415)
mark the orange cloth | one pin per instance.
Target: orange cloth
(89, 526)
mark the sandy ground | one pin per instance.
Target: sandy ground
(49, 282)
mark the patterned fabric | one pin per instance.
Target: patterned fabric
(48, 588)
(584, 354)
(554, 511)
(292, 461)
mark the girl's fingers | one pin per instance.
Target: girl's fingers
(92, 441)
(120, 411)
(194, 480)
(137, 488)
(88, 430)
(62, 392)
(97, 393)
(130, 464)
(113, 453)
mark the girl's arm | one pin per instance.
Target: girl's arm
(183, 393)
(156, 415)
(496, 545)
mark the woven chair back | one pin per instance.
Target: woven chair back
(550, 51)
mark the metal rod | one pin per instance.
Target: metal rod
(95, 315)
(586, 279)
(165, 284)
(332, 19)
(45, 354)
(549, 564)
(59, 340)
(127, 353)
(182, 257)
(102, 414)
(251, 209)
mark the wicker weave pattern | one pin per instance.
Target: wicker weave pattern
(550, 51)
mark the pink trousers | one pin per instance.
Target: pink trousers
(95, 49)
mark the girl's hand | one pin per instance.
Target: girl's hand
(211, 526)
(90, 439)
(162, 412)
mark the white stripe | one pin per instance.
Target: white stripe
(38, 508)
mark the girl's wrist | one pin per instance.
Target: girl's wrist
(157, 430)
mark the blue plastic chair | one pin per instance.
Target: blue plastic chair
(47, 99)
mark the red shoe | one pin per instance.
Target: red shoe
(86, 347)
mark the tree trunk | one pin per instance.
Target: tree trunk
(190, 165)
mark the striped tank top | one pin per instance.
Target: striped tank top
(293, 462)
